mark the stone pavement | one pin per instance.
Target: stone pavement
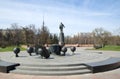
(113, 74)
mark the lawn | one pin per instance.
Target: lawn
(10, 48)
(111, 47)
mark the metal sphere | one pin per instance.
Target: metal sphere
(73, 49)
(43, 52)
(30, 50)
(64, 49)
(16, 51)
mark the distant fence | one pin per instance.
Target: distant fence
(80, 45)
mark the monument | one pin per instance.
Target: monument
(58, 48)
(61, 35)
(82, 62)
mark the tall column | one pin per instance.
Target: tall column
(61, 35)
(61, 39)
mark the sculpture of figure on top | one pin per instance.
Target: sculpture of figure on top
(61, 27)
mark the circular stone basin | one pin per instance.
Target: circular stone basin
(79, 57)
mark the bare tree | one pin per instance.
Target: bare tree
(16, 34)
(101, 36)
(29, 35)
(1, 37)
(55, 39)
(44, 34)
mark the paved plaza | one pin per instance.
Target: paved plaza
(81, 56)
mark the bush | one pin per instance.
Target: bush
(3, 46)
(97, 46)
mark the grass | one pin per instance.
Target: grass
(10, 48)
(111, 48)
(107, 47)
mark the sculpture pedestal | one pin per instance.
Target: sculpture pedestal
(61, 39)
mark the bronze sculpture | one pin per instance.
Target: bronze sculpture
(61, 35)
(61, 27)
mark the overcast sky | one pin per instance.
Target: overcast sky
(76, 15)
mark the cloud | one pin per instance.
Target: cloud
(73, 14)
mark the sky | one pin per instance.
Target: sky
(76, 15)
